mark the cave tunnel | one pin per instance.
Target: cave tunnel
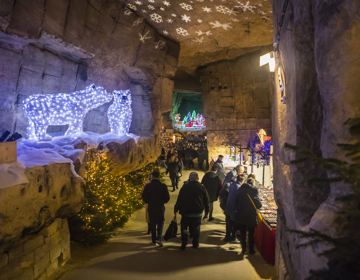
(222, 106)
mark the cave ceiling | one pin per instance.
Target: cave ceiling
(207, 30)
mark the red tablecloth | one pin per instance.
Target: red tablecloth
(265, 241)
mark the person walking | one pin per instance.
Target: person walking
(229, 209)
(212, 184)
(224, 195)
(221, 169)
(156, 194)
(201, 157)
(193, 199)
(245, 213)
(174, 169)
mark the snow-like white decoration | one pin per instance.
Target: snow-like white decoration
(155, 17)
(144, 11)
(182, 31)
(162, 9)
(222, 9)
(199, 21)
(173, 15)
(185, 18)
(199, 40)
(234, 19)
(144, 37)
(132, 7)
(43, 110)
(208, 33)
(218, 24)
(262, 13)
(199, 33)
(159, 45)
(166, 32)
(231, 12)
(186, 6)
(138, 21)
(150, 7)
(206, 9)
(138, 3)
(166, 3)
(120, 112)
(245, 7)
(169, 20)
(128, 12)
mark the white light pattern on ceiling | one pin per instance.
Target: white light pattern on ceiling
(159, 18)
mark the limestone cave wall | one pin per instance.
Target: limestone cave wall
(64, 45)
(236, 96)
(319, 64)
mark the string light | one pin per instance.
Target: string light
(120, 112)
(43, 110)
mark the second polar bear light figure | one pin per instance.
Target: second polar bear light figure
(120, 112)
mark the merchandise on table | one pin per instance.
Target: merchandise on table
(269, 208)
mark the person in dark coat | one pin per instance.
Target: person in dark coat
(174, 169)
(245, 213)
(193, 199)
(212, 184)
(189, 158)
(201, 157)
(221, 169)
(169, 154)
(156, 194)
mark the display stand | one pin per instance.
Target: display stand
(265, 237)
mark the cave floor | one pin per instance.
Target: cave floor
(131, 255)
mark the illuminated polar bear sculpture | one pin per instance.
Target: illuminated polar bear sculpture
(120, 112)
(43, 110)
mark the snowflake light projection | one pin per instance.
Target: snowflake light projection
(162, 9)
(166, 3)
(173, 15)
(199, 33)
(138, 21)
(132, 7)
(182, 31)
(138, 3)
(199, 40)
(185, 18)
(155, 17)
(120, 112)
(166, 32)
(43, 110)
(144, 37)
(151, 1)
(245, 7)
(222, 9)
(186, 6)
(218, 24)
(169, 20)
(159, 45)
(127, 12)
(199, 21)
(150, 7)
(206, 9)
(208, 33)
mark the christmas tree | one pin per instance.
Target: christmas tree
(193, 116)
(110, 200)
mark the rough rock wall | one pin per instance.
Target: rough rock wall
(52, 192)
(64, 45)
(319, 58)
(38, 256)
(236, 97)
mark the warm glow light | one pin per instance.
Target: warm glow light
(43, 110)
(268, 58)
(264, 59)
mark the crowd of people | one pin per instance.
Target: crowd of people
(236, 191)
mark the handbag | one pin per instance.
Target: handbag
(260, 218)
(171, 231)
